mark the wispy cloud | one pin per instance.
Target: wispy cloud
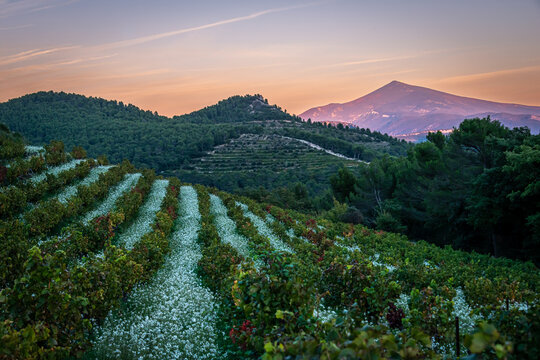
(136, 74)
(25, 55)
(53, 65)
(489, 75)
(145, 39)
(391, 73)
(16, 27)
(387, 58)
(372, 61)
(9, 8)
(33, 5)
(53, 5)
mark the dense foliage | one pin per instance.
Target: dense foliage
(476, 189)
(11, 145)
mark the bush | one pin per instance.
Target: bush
(54, 153)
(277, 300)
(78, 152)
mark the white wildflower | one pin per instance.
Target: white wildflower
(33, 150)
(467, 319)
(146, 216)
(227, 227)
(55, 170)
(173, 316)
(264, 230)
(114, 194)
(92, 177)
(403, 303)
(324, 314)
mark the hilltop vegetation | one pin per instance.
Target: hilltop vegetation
(170, 144)
(237, 109)
(107, 261)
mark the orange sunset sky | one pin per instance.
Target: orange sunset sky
(174, 57)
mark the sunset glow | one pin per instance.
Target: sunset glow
(178, 56)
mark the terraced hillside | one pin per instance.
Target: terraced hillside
(131, 265)
(251, 152)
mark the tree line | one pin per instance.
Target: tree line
(476, 189)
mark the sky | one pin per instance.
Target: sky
(175, 57)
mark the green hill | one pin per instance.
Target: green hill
(172, 145)
(101, 261)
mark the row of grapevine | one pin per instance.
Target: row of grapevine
(146, 217)
(20, 169)
(362, 293)
(19, 235)
(97, 227)
(29, 152)
(48, 214)
(87, 238)
(173, 315)
(56, 322)
(432, 293)
(114, 194)
(15, 199)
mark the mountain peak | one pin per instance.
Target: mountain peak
(398, 108)
(396, 86)
(395, 83)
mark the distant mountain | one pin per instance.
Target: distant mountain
(410, 112)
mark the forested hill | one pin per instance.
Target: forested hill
(146, 139)
(238, 109)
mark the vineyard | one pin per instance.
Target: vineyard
(102, 261)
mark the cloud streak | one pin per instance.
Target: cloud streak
(25, 55)
(386, 59)
(40, 68)
(372, 61)
(17, 27)
(489, 75)
(9, 8)
(145, 39)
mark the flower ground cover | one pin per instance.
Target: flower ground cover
(107, 205)
(70, 191)
(173, 316)
(147, 214)
(227, 227)
(264, 230)
(55, 170)
(31, 150)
